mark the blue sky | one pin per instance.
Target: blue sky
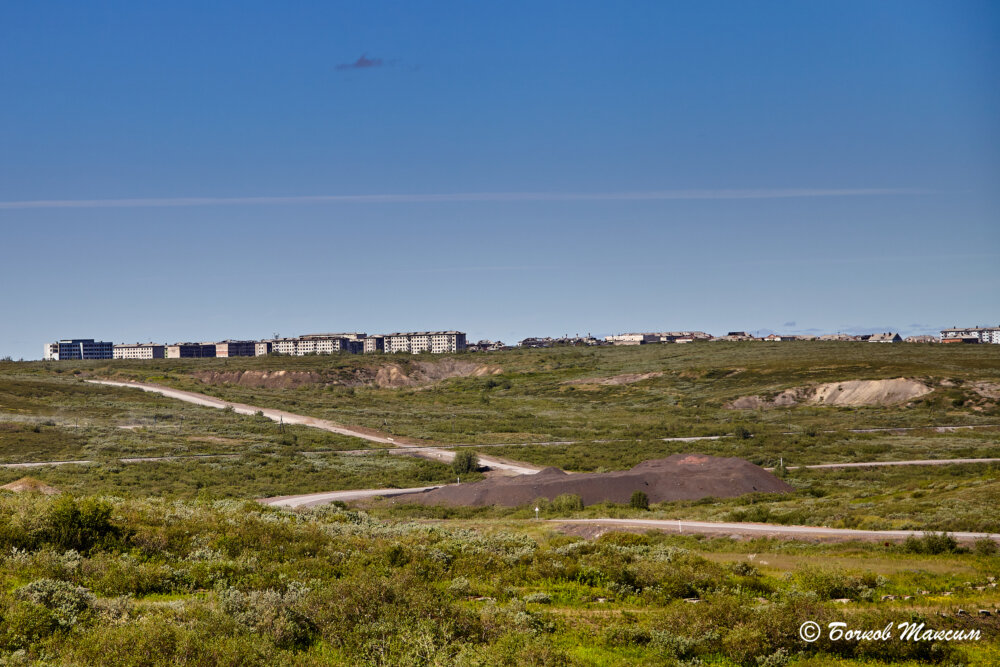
(196, 171)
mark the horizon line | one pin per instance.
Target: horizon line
(653, 195)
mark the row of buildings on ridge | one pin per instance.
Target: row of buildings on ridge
(329, 343)
(438, 342)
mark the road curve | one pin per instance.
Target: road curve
(314, 499)
(432, 453)
(768, 530)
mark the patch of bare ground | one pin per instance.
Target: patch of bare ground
(260, 379)
(677, 477)
(31, 485)
(616, 380)
(849, 392)
(987, 389)
(393, 376)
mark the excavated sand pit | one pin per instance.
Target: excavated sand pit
(849, 392)
(678, 477)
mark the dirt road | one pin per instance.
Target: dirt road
(764, 530)
(314, 499)
(871, 464)
(433, 453)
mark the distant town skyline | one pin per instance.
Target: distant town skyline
(530, 169)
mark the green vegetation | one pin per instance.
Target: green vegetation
(639, 501)
(163, 583)
(465, 461)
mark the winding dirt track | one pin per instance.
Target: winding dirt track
(433, 453)
(314, 499)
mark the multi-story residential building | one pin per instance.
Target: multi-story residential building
(140, 351)
(324, 343)
(632, 339)
(79, 348)
(981, 334)
(424, 341)
(236, 348)
(190, 350)
(373, 344)
(262, 348)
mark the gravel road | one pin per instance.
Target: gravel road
(765, 530)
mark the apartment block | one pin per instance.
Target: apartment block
(980, 334)
(262, 348)
(373, 344)
(236, 348)
(140, 351)
(79, 348)
(413, 342)
(321, 343)
(190, 350)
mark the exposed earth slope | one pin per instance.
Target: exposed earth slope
(678, 477)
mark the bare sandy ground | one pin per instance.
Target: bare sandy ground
(849, 392)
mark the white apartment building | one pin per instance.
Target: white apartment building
(373, 344)
(78, 348)
(328, 343)
(140, 351)
(628, 339)
(414, 342)
(983, 334)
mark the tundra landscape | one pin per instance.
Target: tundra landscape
(514, 334)
(658, 517)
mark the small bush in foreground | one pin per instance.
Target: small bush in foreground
(639, 501)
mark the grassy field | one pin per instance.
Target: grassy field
(53, 418)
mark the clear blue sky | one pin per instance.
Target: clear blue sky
(508, 169)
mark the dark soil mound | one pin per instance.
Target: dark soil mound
(678, 477)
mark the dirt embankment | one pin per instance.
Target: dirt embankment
(429, 372)
(678, 477)
(616, 380)
(30, 485)
(389, 375)
(850, 392)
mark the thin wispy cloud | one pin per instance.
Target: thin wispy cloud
(364, 62)
(460, 197)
